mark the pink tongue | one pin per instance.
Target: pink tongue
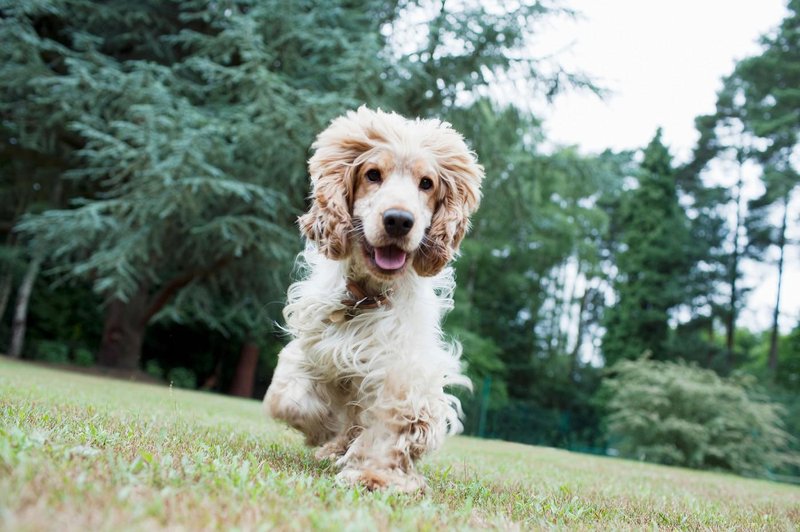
(390, 257)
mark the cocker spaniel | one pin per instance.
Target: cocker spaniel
(365, 372)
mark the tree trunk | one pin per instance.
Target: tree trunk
(554, 325)
(730, 318)
(126, 322)
(576, 349)
(123, 332)
(5, 293)
(710, 333)
(21, 309)
(212, 381)
(566, 307)
(8, 274)
(245, 375)
(773, 340)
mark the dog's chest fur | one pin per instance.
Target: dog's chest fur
(402, 336)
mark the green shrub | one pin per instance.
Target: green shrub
(789, 399)
(83, 357)
(182, 378)
(679, 414)
(52, 351)
(153, 368)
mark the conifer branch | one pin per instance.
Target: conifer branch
(163, 296)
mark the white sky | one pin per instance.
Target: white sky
(663, 60)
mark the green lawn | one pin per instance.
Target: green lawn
(81, 452)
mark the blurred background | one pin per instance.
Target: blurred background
(625, 290)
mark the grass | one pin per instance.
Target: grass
(84, 453)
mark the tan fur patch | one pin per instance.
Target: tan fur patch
(373, 480)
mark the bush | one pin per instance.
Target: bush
(52, 351)
(679, 414)
(153, 368)
(83, 357)
(182, 378)
(789, 400)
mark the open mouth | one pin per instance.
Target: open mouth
(388, 259)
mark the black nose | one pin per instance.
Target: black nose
(397, 222)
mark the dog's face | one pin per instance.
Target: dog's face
(394, 201)
(391, 193)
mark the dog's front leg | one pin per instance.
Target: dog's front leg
(397, 434)
(297, 398)
(350, 428)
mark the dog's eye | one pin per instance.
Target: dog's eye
(374, 175)
(425, 183)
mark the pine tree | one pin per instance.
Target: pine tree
(764, 94)
(653, 261)
(187, 126)
(724, 235)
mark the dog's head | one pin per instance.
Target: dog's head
(391, 192)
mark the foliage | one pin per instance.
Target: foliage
(653, 257)
(52, 351)
(680, 414)
(166, 146)
(58, 352)
(69, 313)
(789, 400)
(83, 357)
(153, 368)
(534, 259)
(763, 95)
(182, 378)
(764, 92)
(789, 361)
(754, 348)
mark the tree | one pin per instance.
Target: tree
(530, 276)
(188, 131)
(734, 267)
(764, 93)
(19, 323)
(722, 141)
(469, 49)
(653, 261)
(765, 235)
(790, 360)
(28, 183)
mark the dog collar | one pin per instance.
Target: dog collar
(357, 300)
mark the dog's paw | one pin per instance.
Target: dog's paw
(332, 451)
(380, 479)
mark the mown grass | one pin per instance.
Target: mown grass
(86, 453)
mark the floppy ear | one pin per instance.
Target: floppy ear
(460, 176)
(328, 221)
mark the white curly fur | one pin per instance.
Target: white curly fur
(370, 389)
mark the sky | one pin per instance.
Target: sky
(662, 62)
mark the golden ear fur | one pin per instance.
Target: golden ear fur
(461, 177)
(328, 222)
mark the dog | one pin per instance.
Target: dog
(364, 375)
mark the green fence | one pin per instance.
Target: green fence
(528, 422)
